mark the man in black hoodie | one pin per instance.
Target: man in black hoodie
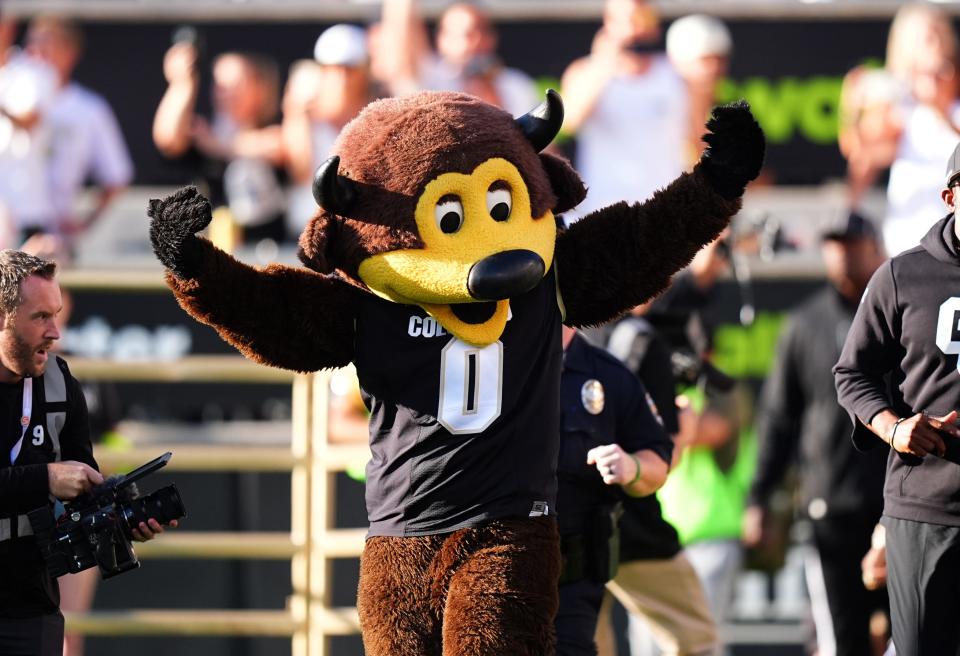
(800, 421)
(899, 377)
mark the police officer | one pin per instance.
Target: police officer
(612, 444)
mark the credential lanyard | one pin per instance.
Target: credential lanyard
(25, 418)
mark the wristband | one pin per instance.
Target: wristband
(893, 432)
(636, 478)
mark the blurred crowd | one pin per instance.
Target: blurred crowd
(55, 135)
(268, 129)
(254, 155)
(636, 104)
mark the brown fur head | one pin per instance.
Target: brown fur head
(396, 146)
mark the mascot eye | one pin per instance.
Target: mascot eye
(499, 203)
(449, 214)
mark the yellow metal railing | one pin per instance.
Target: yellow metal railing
(311, 545)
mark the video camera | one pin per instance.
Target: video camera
(761, 235)
(96, 528)
(691, 369)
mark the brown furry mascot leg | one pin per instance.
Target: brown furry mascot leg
(394, 599)
(503, 598)
(492, 589)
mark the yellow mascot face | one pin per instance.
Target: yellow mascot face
(476, 228)
(444, 202)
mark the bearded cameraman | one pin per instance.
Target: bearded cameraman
(46, 452)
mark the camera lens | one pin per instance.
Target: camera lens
(164, 505)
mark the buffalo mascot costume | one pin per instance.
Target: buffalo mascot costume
(436, 265)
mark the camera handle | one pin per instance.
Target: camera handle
(143, 470)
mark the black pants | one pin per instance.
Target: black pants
(923, 578)
(32, 636)
(576, 620)
(841, 543)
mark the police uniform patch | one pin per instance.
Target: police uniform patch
(592, 396)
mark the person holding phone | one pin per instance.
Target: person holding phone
(465, 58)
(628, 108)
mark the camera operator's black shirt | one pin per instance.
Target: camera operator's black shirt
(624, 417)
(488, 452)
(26, 589)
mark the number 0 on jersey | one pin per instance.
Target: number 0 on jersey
(471, 383)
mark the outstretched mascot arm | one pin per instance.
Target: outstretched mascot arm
(623, 254)
(279, 316)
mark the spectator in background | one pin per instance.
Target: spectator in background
(348, 420)
(699, 47)
(868, 128)
(238, 153)
(86, 141)
(800, 420)
(705, 494)
(465, 58)
(908, 121)
(322, 95)
(628, 108)
(27, 89)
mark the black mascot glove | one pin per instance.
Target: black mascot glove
(174, 222)
(735, 148)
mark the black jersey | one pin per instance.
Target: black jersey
(58, 430)
(459, 434)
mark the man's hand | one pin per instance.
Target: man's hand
(873, 568)
(174, 222)
(302, 92)
(922, 434)
(180, 64)
(614, 464)
(150, 529)
(70, 478)
(756, 527)
(735, 149)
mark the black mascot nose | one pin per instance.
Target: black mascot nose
(505, 275)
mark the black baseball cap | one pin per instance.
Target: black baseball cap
(850, 225)
(953, 167)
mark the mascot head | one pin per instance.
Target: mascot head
(443, 201)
